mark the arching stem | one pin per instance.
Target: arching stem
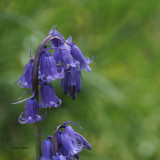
(35, 89)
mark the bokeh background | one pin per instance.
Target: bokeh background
(119, 105)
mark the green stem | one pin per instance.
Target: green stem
(38, 140)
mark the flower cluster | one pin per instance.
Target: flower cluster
(65, 63)
(64, 145)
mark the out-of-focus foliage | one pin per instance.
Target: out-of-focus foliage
(119, 105)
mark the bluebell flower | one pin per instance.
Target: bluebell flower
(25, 81)
(63, 55)
(31, 112)
(71, 81)
(80, 139)
(48, 68)
(70, 131)
(48, 96)
(78, 55)
(61, 149)
(77, 138)
(56, 42)
(67, 144)
(47, 150)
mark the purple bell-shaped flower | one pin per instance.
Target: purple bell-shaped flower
(78, 55)
(56, 42)
(80, 139)
(48, 68)
(63, 55)
(25, 81)
(70, 131)
(31, 112)
(47, 150)
(48, 96)
(67, 144)
(77, 138)
(71, 81)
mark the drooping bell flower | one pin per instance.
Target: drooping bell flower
(25, 81)
(59, 157)
(61, 149)
(70, 131)
(48, 68)
(78, 55)
(59, 60)
(67, 144)
(48, 97)
(71, 81)
(77, 138)
(80, 139)
(56, 42)
(31, 112)
(47, 150)
(63, 55)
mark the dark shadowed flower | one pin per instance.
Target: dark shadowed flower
(47, 150)
(31, 112)
(48, 68)
(25, 81)
(71, 81)
(48, 96)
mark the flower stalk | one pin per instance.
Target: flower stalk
(35, 90)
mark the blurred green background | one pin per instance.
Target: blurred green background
(119, 105)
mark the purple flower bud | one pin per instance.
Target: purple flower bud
(48, 96)
(48, 68)
(71, 81)
(31, 112)
(78, 55)
(80, 139)
(25, 80)
(47, 150)
(58, 157)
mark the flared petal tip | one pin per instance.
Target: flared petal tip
(21, 119)
(44, 116)
(89, 61)
(59, 103)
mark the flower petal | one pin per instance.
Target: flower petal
(81, 139)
